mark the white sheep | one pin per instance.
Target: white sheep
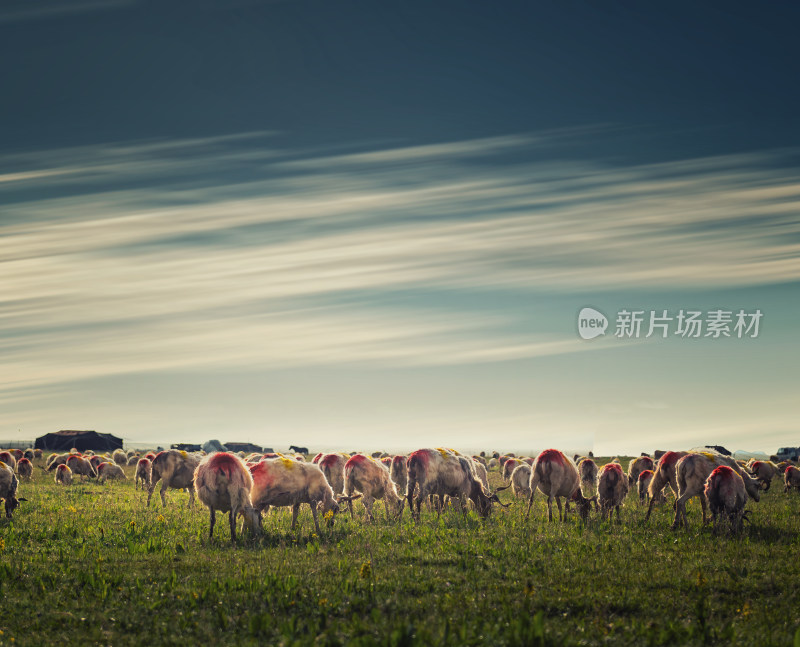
(365, 475)
(612, 488)
(175, 469)
(557, 476)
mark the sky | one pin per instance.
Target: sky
(360, 225)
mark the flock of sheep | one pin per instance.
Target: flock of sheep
(248, 486)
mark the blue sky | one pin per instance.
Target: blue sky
(372, 225)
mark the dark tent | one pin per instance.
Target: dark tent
(63, 441)
(244, 447)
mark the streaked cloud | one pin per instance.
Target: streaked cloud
(230, 251)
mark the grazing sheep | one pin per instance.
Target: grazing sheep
(399, 473)
(612, 488)
(8, 488)
(520, 482)
(480, 459)
(29, 454)
(372, 480)
(120, 457)
(82, 467)
(63, 475)
(132, 460)
(443, 473)
(9, 459)
(224, 483)
(493, 464)
(281, 482)
(693, 470)
(508, 468)
(25, 469)
(142, 474)
(664, 475)
(556, 475)
(38, 453)
(106, 471)
(175, 469)
(725, 491)
(636, 467)
(791, 478)
(587, 469)
(643, 487)
(764, 471)
(54, 460)
(332, 466)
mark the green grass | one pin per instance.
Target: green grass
(91, 565)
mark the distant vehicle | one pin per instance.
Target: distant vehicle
(788, 453)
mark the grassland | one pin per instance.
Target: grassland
(91, 565)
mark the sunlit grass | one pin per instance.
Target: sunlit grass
(90, 564)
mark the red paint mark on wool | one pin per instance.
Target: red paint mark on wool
(551, 456)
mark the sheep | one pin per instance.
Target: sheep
(372, 480)
(332, 466)
(691, 473)
(9, 459)
(132, 460)
(493, 464)
(142, 473)
(120, 457)
(764, 471)
(664, 475)
(480, 459)
(399, 473)
(54, 460)
(224, 483)
(520, 482)
(281, 481)
(175, 469)
(29, 454)
(82, 467)
(63, 474)
(106, 471)
(556, 475)
(481, 473)
(587, 469)
(643, 487)
(25, 469)
(612, 488)
(791, 478)
(508, 468)
(8, 489)
(442, 472)
(636, 467)
(725, 491)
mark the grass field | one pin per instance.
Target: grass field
(91, 565)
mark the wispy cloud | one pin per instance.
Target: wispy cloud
(156, 255)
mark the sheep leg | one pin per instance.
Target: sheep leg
(213, 519)
(367, 501)
(703, 505)
(560, 516)
(232, 521)
(295, 510)
(163, 494)
(316, 520)
(191, 496)
(550, 507)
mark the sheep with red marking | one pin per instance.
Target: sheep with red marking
(63, 475)
(612, 488)
(587, 469)
(636, 467)
(9, 459)
(332, 466)
(142, 474)
(25, 469)
(764, 471)
(175, 469)
(791, 478)
(133, 460)
(224, 483)
(8, 488)
(370, 478)
(82, 467)
(284, 482)
(441, 472)
(557, 476)
(110, 471)
(643, 487)
(399, 473)
(726, 494)
(508, 468)
(663, 476)
(691, 473)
